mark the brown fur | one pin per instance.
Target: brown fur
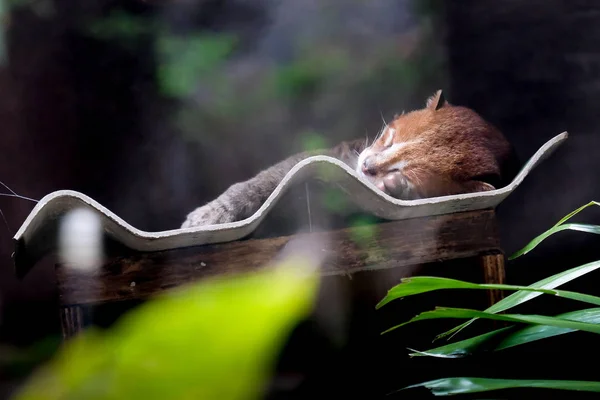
(443, 149)
(439, 150)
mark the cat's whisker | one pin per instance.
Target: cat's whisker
(416, 177)
(5, 222)
(7, 188)
(381, 131)
(18, 197)
(383, 119)
(14, 194)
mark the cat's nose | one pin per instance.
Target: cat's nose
(368, 167)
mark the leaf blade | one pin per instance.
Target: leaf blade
(465, 385)
(577, 211)
(424, 284)
(448, 312)
(521, 297)
(505, 339)
(557, 228)
(595, 229)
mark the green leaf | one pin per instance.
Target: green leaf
(577, 227)
(463, 385)
(595, 229)
(448, 312)
(538, 332)
(548, 283)
(494, 341)
(521, 297)
(423, 284)
(214, 339)
(571, 214)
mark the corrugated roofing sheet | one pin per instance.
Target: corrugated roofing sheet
(37, 236)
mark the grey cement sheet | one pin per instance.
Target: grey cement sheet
(37, 236)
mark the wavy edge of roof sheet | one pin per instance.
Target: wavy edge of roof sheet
(37, 235)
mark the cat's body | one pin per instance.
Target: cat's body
(439, 150)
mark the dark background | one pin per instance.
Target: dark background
(102, 97)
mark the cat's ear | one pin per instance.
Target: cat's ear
(436, 101)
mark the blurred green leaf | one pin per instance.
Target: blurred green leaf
(17, 361)
(363, 230)
(335, 200)
(313, 141)
(305, 75)
(298, 79)
(186, 60)
(448, 312)
(521, 297)
(494, 340)
(216, 339)
(120, 24)
(463, 385)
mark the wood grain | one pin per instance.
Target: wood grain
(493, 272)
(385, 245)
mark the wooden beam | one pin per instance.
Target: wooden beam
(385, 245)
(493, 271)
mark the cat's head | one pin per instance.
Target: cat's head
(438, 150)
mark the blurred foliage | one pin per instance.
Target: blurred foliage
(20, 362)
(217, 339)
(186, 60)
(336, 82)
(364, 230)
(335, 200)
(306, 75)
(313, 141)
(121, 26)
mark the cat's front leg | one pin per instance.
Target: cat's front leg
(218, 211)
(243, 199)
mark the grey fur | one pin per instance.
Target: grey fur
(243, 199)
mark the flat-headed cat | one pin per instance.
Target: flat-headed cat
(439, 150)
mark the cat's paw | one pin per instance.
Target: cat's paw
(208, 214)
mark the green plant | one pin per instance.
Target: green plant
(216, 339)
(186, 60)
(525, 328)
